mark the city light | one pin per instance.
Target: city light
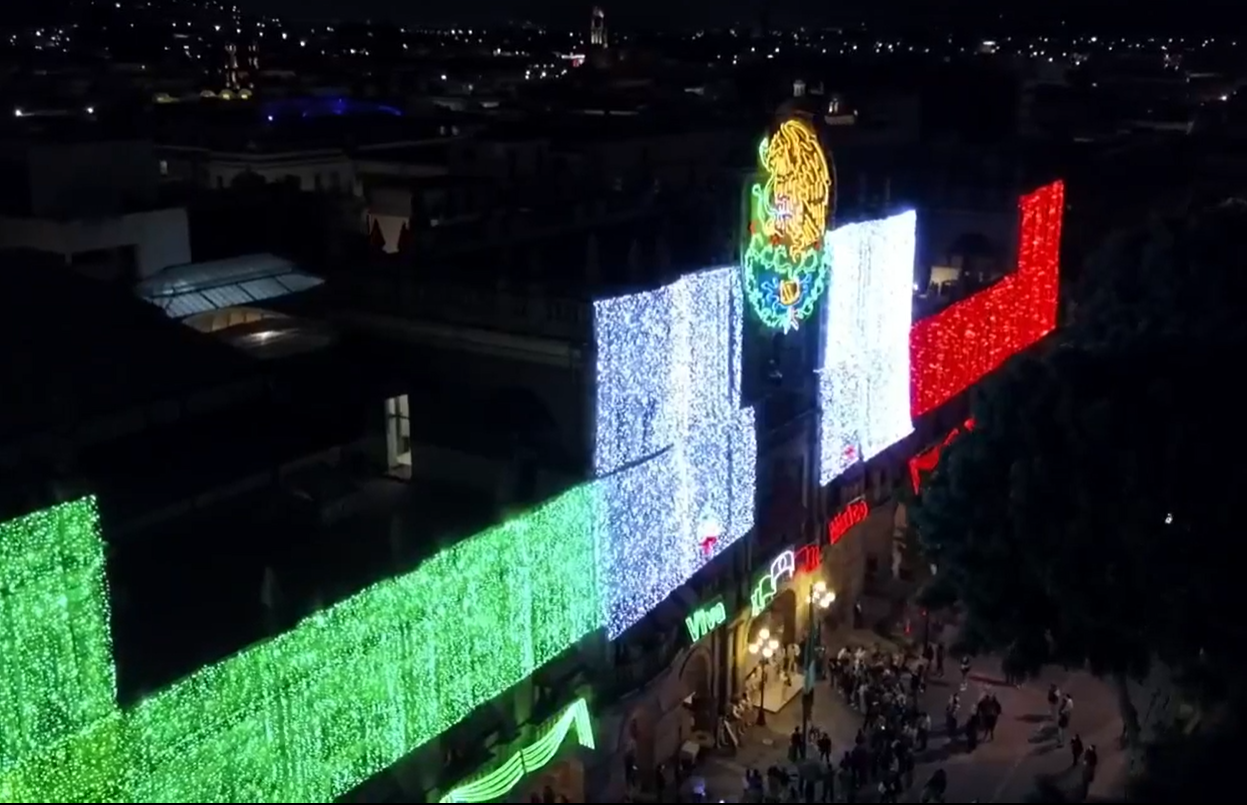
(302, 717)
(863, 382)
(764, 645)
(820, 596)
(674, 451)
(953, 349)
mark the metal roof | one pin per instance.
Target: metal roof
(186, 290)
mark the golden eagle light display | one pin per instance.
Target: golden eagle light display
(790, 208)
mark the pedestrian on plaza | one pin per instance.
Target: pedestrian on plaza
(934, 790)
(991, 715)
(811, 789)
(1075, 749)
(965, 671)
(923, 731)
(928, 653)
(660, 783)
(824, 748)
(1089, 762)
(1062, 719)
(908, 767)
(1054, 699)
(972, 732)
(796, 748)
(939, 659)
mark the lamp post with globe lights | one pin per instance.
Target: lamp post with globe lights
(820, 598)
(766, 646)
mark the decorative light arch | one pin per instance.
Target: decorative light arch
(790, 209)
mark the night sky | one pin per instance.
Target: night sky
(1104, 15)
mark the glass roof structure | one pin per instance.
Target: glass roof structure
(187, 290)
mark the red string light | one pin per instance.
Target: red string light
(927, 459)
(951, 350)
(850, 516)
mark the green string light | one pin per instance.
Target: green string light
(499, 782)
(303, 717)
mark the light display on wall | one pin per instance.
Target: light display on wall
(953, 349)
(785, 263)
(782, 568)
(846, 518)
(925, 461)
(299, 718)
(705, 620)
(675, 454)
(499, 782)
(809, 558)
(864, 376)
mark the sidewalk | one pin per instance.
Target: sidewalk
(1003, 770)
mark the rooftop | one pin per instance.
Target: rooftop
(196, 594)
(194, 288)
(74, 347)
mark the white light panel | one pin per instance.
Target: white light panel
(864, 379)
(674, 451)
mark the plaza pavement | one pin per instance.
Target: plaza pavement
(1003, 770)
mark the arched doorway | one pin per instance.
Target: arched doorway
(637, 743)
(697, 692)
(783, 613)
(563, 779)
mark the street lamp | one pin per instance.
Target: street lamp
(822, 598)
(766, 646)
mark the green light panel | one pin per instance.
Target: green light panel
(303, 717)
(499, 782)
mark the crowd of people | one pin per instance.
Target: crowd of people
(884, 687)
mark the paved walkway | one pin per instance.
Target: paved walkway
(1003, 770)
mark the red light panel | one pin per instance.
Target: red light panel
(951, 350)
(850, 516)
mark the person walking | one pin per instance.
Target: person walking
(1062, 719)
(1075, 749)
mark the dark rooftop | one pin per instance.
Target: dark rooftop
(75, 348)
(193, 594)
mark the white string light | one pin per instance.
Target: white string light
(864, 380)
(674, 451)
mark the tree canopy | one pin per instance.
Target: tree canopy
(1090, 515)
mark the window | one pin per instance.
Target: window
(398, 431)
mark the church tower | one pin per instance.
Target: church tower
(597, 29)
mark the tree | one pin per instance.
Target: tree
(1081, 521)
(1192, 765)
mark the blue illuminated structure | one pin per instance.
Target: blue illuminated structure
(324, 107)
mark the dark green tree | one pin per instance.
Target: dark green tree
(1192, 765)
(1085, 520)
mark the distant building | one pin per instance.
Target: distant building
(597, 29)
(94, 204)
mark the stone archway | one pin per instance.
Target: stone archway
(565, 778)
(697, 691)
(636, 742)
(783, 615)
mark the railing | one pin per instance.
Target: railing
(517, 312)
